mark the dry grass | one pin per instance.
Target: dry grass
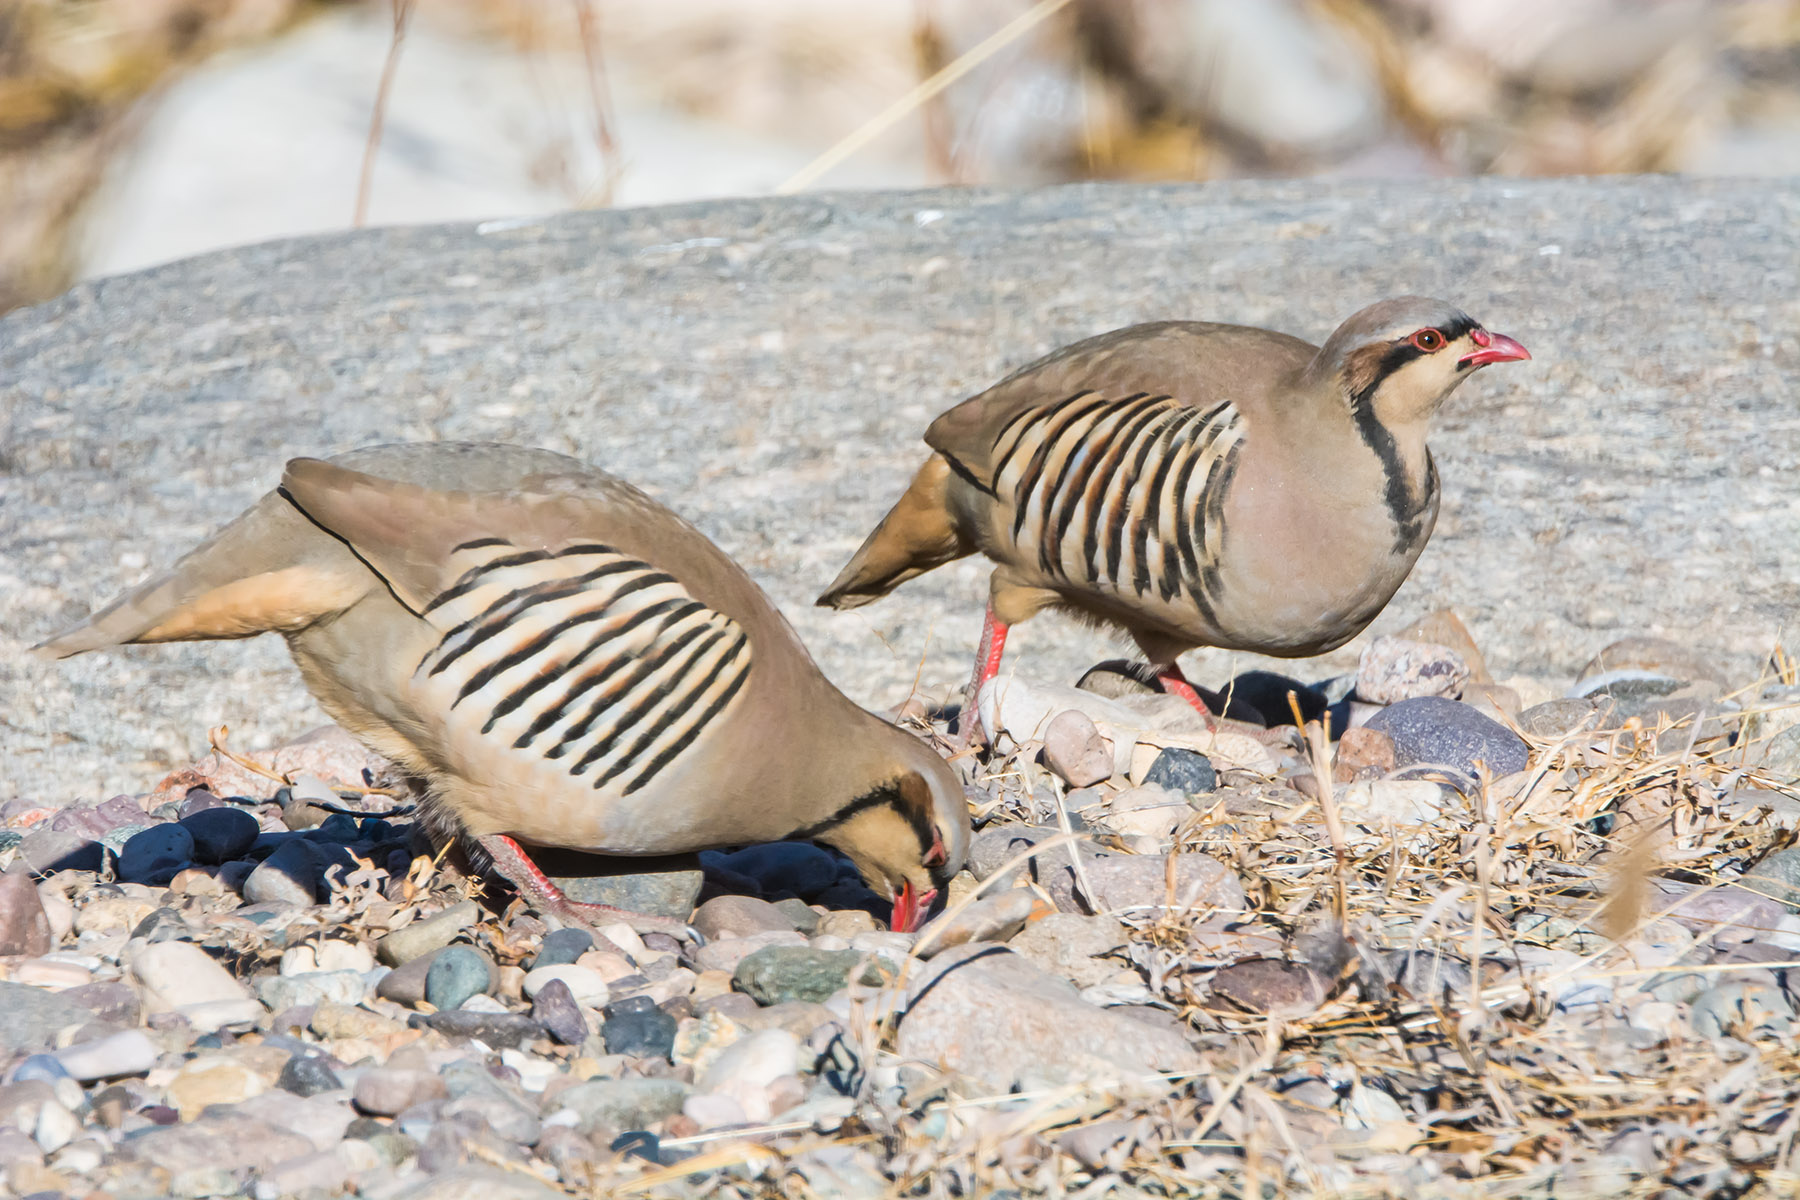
(1436, 1077)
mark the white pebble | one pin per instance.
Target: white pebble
(534, 1073)
(481, 1002)
(56, 1127)
(625, 938)
(585, 985)
(126, 1053)
(299, 960)
(337, 955)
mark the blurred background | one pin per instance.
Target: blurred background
(137, 131)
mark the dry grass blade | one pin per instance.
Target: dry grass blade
(894, 113)
(402, 12)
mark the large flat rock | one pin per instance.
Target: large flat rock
(767, 366)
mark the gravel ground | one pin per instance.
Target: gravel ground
(766, 367)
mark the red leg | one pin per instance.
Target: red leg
(987, 665)
(1174, 683)
(512, 862)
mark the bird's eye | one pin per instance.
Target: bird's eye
(1428, 340)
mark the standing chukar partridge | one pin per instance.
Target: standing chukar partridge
(1196, 484)
(562, 662)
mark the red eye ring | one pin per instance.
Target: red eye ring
(1428, 340)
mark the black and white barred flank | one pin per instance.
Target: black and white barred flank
(584, 656)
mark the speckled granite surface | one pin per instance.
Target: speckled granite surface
(766, 367)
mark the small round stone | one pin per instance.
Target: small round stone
(288, 876)
(1184, 771)
(636, 1027)
(307, 1075)
(456, 974)
(562, 946)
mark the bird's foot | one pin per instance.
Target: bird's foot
(1174, 683)
(543, 894)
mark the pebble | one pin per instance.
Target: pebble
(801, 915)
(155, 855)
(307, 1075)
(212, 1080)
(725, 917)
(710, 1111)
(1654, 656)
(747, 1068)
(456, 974)
(554, 1007)
(1006, 1023)
(331, 1020)
(422, 937)
(24, 926)
(1149, 810)
(1744, 1009)
(1393, 669)
(993, 918)
(1363, 753)
(586, 985)
(1444, 733)
(670, 893)
(279, 992)
(115, 1002)
(727, 954)
(405, 984)
(1075, 751)
(1379, 802)
(1186, 772)
(1071, 945)
(47, 851)
(129, 1052)
(288, 876)
(637, 1028)
(500, 1030)
(844, 923)
(180, 977)
(1138, 883)
(1271, 987)
(562, 946)
(1777, 876)
(775, 974)
(56, 1127)
(615, 1105)
(389, 1091)
(220, 833)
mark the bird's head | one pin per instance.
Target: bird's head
(908, 835)
(1397, 360)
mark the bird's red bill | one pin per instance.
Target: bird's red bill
(1495, 347)
(909, 905)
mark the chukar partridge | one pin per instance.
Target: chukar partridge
(562, 661)
(1195, 484)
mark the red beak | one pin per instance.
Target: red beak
(909, 906)
(1495, 347)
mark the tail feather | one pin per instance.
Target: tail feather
(268, 571)
(918, 534)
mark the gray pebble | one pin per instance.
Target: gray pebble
(562, 946)
(307, 1075)
(1433, 730)
(1184, 771)
(457, 973)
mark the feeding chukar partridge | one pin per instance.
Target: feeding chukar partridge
(562, 661)
(1196, 484)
